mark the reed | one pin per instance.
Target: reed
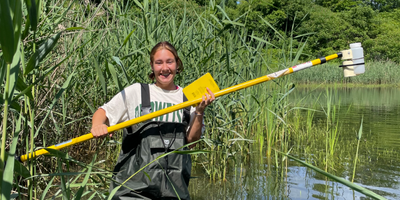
(332, 126)
(377, 73)
(358, 145)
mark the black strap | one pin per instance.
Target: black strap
(146, 107)
(186, 111)
(351, 65)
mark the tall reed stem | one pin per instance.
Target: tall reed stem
(358, 145)
(355, 162)
(4, 136)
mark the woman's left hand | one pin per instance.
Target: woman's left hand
(207, 99)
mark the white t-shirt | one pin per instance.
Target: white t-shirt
(127, 103)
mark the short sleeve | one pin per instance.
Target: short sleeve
(116, 109)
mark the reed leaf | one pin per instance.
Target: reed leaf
(78, 194)
(114, 76)
(270, 25)
(21, 170)
(101, 76)
(262, 40)
(6, 32)
(360, 130)
(358, 145)
(41, 53)
(335, 178)
(7, 181)
(14, 72)
(16, 7)
(33, 14)
(49, 184)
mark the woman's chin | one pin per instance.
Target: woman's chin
(165, 83)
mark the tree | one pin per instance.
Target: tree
(383, 5)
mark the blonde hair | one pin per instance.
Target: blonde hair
(165, 45)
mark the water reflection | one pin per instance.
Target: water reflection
(379, 154)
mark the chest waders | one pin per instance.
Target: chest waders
(143, 143)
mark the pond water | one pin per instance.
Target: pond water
(378, 168)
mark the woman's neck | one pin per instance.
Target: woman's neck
(171, 86)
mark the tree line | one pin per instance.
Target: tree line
(326, 25)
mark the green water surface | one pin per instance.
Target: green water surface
(378, 168)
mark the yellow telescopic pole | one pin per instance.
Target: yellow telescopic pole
(152, 115)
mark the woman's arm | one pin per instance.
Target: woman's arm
(194, 132)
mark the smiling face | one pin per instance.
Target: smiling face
(164, 67)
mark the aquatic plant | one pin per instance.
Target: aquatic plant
(358, 145)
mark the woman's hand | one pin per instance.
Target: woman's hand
(99, 124)
(100, 130)
(207, 99)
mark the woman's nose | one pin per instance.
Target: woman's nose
(164, 66)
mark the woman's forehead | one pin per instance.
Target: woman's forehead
(163, 53)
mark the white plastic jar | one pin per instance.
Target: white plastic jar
(358, 57)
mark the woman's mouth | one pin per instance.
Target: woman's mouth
(165, 75)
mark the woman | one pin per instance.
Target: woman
(169, 176)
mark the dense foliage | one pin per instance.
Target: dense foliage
(331, 25)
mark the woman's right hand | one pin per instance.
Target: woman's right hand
(99, 124)
(100, 130)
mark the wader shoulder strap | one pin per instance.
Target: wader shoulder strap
(186, 112)
(146, 107)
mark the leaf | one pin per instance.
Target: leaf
(21, 87)
(7, 182)
(335, 178)
(57, 153)
(232, 22)
(117, 60)
(6, 32)
(85, 180)
(32, 12)
(112, 193)
(63, 174)
(49, 184)
(262, 40)
(21, 170)
(41, 53)
(17, 21)
(74, 28)
(148, 176)
(192, 152)
(113, 72)
(101, 76)
(14, 70)
(360, 131)
(138, 4)
(276, 31)
(125, 41)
